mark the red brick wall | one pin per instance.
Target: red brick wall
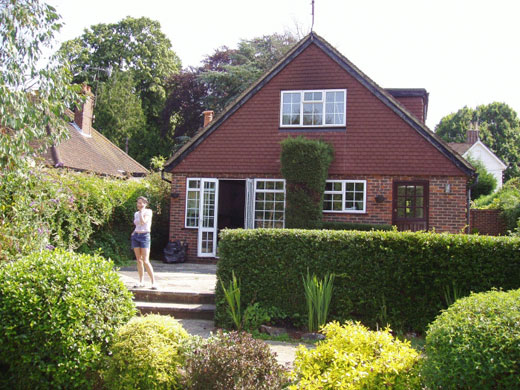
(447, 212)
(375, 141)
(487, 222)
(414, 104)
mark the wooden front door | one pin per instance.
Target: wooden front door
(410, 205)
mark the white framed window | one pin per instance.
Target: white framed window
(269, 203)
(345, 196)
(313, 108)
(192, 203)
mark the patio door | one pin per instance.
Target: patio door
(207, 238)
(410, 205)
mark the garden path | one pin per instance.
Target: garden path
(195, 278)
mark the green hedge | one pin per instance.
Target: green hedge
(336, 225)
(400, 278)
(305, 166)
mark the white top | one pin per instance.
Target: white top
(147, 225)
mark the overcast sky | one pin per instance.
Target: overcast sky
(463, 52)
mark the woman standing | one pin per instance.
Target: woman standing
(141, 241)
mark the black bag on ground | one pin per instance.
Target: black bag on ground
(175, 252)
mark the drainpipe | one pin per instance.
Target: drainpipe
(164, 178)
(475, 182)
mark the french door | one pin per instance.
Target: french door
(207, 237)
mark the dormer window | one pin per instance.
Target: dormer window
(313, 108)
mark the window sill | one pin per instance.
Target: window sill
(294, 129)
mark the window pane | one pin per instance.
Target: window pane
(419, 202)
(195, 184)
(296, 97)
(307, 96)
(419, 190)
(260, 185)
(295, 120)
(329, 96)
(419, 212)
(288, 120)
(349, 186)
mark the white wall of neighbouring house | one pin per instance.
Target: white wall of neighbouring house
(491, 162)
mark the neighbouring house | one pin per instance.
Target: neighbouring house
(88, 150)
(474, 148)
(388, 168)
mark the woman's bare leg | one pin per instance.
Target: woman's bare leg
(146, 260)
(139, 257)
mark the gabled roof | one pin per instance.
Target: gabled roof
(383, 95)
(94, 153)
(465, 149)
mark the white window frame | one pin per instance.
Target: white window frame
(186, 205)
(343, 196)
(324, 102)
(267, 191)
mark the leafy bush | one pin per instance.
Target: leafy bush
(475, 343)
(396, 278)
(305, 166)
(46, 208)
(59, 312)
(147, 353)
(234, 361)
(335, 225)
(486, 181)
(353, 357)
(506, 199)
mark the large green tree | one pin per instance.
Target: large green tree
(136, 45)
(499, 127)
(119, 114)
(33, 97)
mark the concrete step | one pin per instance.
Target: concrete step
(178, 310)
(146, 295)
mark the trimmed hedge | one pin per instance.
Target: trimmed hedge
(305, 166)
(336, 225)
(399, 278)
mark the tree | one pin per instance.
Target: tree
(119, 115)
(33, 99)
(136, 45)
(499, 129)
(223, 76)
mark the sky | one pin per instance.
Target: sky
(463, 52)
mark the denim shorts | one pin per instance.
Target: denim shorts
(140, 240)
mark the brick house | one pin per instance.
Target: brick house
(388, 168)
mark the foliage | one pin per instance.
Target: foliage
(318, 294)
(223, 76)
(352, 357)
(46, 208)
(119, 115)
(232, 295)
(474, 344)
(134, 49)
(486, 181)
(147, 353)
(255, 316)
(506, 199)
(499, 129)
(336, 225)
(59, 313)
(33, 98)
(304, 165)
(234, 361)
(381, 277)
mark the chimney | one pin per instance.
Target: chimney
(208, 117)
(83, 116)
(472, 134)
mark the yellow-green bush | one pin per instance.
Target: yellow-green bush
(353, 357)
(147, 353)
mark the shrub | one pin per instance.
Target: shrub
(486, 181)
(59, 312)
(475, 343)
(352, 357)
(304, 165)
(147, 353)
(234, 361)
(507, 199)
(335, 225)
(396, 278)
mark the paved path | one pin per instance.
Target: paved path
(188, 277)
